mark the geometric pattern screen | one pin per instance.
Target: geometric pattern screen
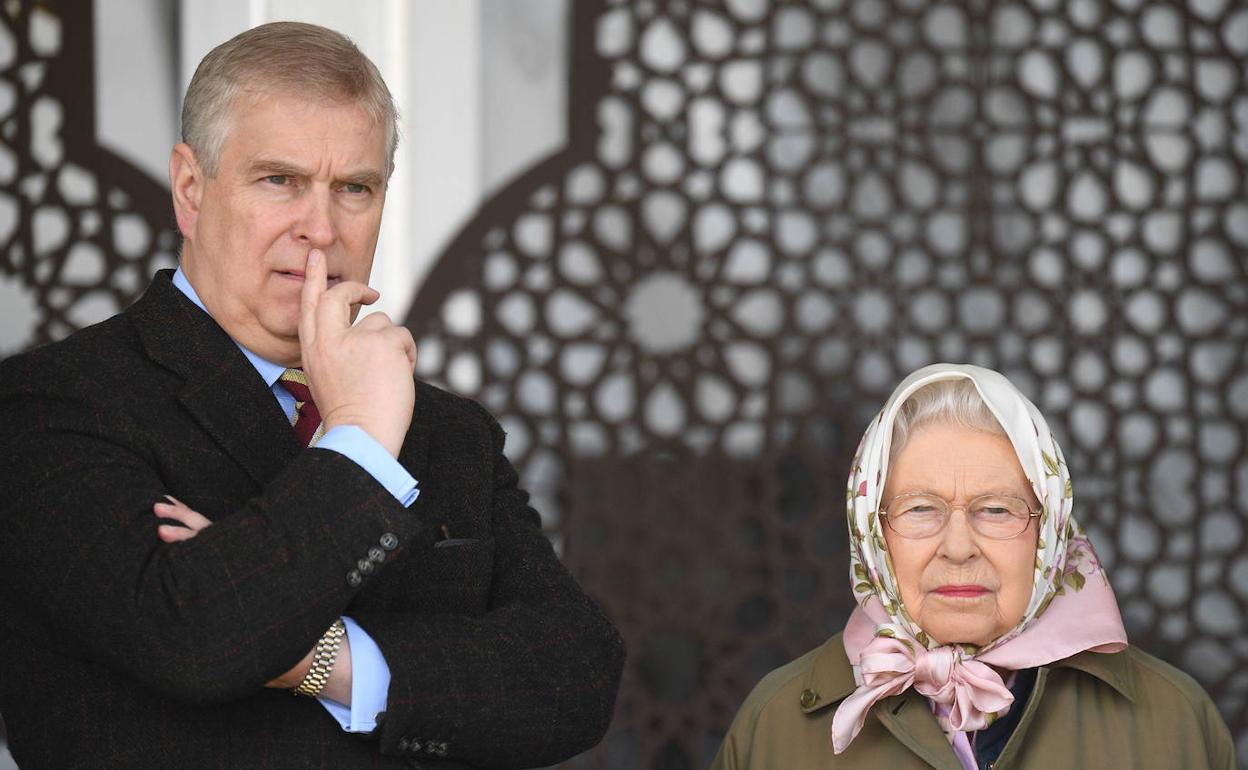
(81, 229)
(766, 215)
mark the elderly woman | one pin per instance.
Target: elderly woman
(987, 634)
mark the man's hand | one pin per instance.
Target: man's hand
(360, 375)
(339, 686)
(177, 510)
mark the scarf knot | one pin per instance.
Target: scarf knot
(965, 691)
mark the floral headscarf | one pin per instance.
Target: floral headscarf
(1072, 607)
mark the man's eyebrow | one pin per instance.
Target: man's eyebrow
(266, 167)
(366, 177)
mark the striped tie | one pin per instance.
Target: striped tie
(307, 422)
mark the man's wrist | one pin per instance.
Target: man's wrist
(323, 659)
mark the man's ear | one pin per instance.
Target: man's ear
(186, 179)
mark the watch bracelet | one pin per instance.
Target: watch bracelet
(323, 659)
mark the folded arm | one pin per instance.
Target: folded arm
(207, 620)
(529, 682)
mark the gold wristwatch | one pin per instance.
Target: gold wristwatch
(323, 659)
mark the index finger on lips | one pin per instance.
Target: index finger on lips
(314, 281)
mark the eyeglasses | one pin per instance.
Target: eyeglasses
(917, 515)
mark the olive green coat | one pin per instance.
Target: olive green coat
(1125, 710)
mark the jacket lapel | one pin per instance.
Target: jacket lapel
(907, 716)
(910, 720)
(221, 389)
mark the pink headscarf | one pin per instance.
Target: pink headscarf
(1072, 606)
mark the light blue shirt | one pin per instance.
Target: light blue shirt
(370, 674)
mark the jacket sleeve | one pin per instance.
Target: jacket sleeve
(205, 621)
(530, 682)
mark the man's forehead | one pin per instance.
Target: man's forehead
(291, 122)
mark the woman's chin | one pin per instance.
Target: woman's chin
(959, 631)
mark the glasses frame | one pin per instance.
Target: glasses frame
(949, 509)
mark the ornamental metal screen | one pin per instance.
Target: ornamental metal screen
(81, 229)
(767, 214)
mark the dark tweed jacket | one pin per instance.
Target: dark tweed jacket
(117, 650)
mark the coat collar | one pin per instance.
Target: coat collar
(907, 716)
(221, 389)
(830, 679)
(1114, 669)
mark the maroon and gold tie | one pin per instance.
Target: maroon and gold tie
(307, 423)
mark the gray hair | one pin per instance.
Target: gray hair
(945, 402)
(288, 58)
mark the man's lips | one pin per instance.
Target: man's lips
(297, 275)
(962, 591)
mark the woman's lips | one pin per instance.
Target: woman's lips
(962, 591)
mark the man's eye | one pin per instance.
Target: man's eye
(277, 179)
(354, 188)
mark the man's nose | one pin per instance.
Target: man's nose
(957, 541)
(315, 224)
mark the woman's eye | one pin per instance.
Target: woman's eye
(994, 511)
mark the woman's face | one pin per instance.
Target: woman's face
(959, 586)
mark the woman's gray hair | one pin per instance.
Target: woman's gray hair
(946, 402)
(285, 58)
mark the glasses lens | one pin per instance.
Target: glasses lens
(999, 516)
(917, 515)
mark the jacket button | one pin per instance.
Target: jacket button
(809, 698)
(365, 566)
(377, 555)
(354, 579)
(389, 541)
(402, 744)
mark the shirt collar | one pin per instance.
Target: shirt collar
(267, 370)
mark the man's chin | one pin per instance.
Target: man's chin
(281, 339)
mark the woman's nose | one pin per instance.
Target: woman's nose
(957, 542)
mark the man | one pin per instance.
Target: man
(175, 559)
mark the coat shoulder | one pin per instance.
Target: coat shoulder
(788, 679)
(1159, 683)
(1159, 678)
(1140, 707)
(774, 716)
(436, 405)
(91, 352)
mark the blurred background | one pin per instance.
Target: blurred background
(684, 250)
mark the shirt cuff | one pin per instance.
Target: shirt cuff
(370, 683)
(354, 442)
